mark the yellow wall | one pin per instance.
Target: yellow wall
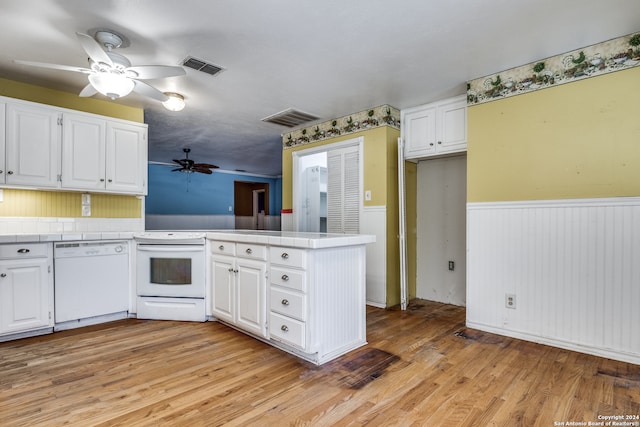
(29, 203)
(380, 176)
(577, 140)
(36, 203)
(58, 98)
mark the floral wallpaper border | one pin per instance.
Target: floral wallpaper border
(384, 115)
(602, 58)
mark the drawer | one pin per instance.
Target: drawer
(288, 257)
(23, 250)
(287, 330)
(223, 248)
(292, 304)
(287, 278)
(248, 250)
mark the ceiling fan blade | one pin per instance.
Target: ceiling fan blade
(88, 90)
(93, 49)
(180, 162)
(146, 72)
(177, 170)
(205, 165)
(202, 170)
(54, 66)
(150, 91)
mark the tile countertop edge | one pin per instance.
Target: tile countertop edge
(292, 239)
(60, 237)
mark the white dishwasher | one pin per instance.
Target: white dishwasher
(91, 282)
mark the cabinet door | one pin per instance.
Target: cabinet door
(251, 301)
(3, 109)
(126, 158)
(419, 131)
(452, 125)
(83, 152)
(32, 145)
(25, 295)
(222, 288)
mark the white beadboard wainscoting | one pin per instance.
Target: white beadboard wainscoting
(207, 222)
(573, 267)
(374, 221)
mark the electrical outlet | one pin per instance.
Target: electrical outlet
(367, 195)
(510, 300)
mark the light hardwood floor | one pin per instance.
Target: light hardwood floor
(421, 367)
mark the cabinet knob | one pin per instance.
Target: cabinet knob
(249, 251)
(285, 302)
(230, 269)
(110, 180)
(284, 328)
(10, 173)
(431, 144)
(101, 179)
(285, 278)
(439, 142)
(3, 275)
(285, 255)
(0, 171)
(221, 247)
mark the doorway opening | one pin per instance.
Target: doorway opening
(251, 201)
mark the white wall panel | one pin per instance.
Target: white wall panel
(374, 221)
(573, 265)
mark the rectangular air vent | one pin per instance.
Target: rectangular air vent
(200, 65)
(290, 118)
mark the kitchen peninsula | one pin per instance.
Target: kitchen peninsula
(301, 292)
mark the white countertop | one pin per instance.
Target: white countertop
(291, 238)
(276, 238)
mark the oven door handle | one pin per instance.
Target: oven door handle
(161, 248)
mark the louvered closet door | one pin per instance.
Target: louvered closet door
(343, 191)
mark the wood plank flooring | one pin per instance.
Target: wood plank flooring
(422, 367)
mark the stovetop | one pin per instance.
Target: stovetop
(171, 237)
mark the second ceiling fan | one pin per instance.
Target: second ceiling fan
(189, 166)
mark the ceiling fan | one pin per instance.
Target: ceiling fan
(189, 166)
(110, 73)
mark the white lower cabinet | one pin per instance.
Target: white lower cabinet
(239, 285)
(26, 288)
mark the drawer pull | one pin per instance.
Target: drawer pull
(3, 275)
(248, 251)
(284, 328)
(23, 251)
(221, 247)
(285, 278)
(285, 302)
(285, 255)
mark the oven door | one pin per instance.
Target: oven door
(171, 271)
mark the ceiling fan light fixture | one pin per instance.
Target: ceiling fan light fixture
(112, 85)
(175, 101)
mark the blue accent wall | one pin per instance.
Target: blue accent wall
(174, 193)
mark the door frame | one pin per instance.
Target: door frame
(297, 172)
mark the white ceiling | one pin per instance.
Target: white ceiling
(326, 57)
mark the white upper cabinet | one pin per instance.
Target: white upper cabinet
(435, 129)
(126, 158)
(33, 134)
(83, 152)
(51, 147)
(3, 109)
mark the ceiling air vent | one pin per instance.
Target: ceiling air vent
(290, 118)
(200, 65)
